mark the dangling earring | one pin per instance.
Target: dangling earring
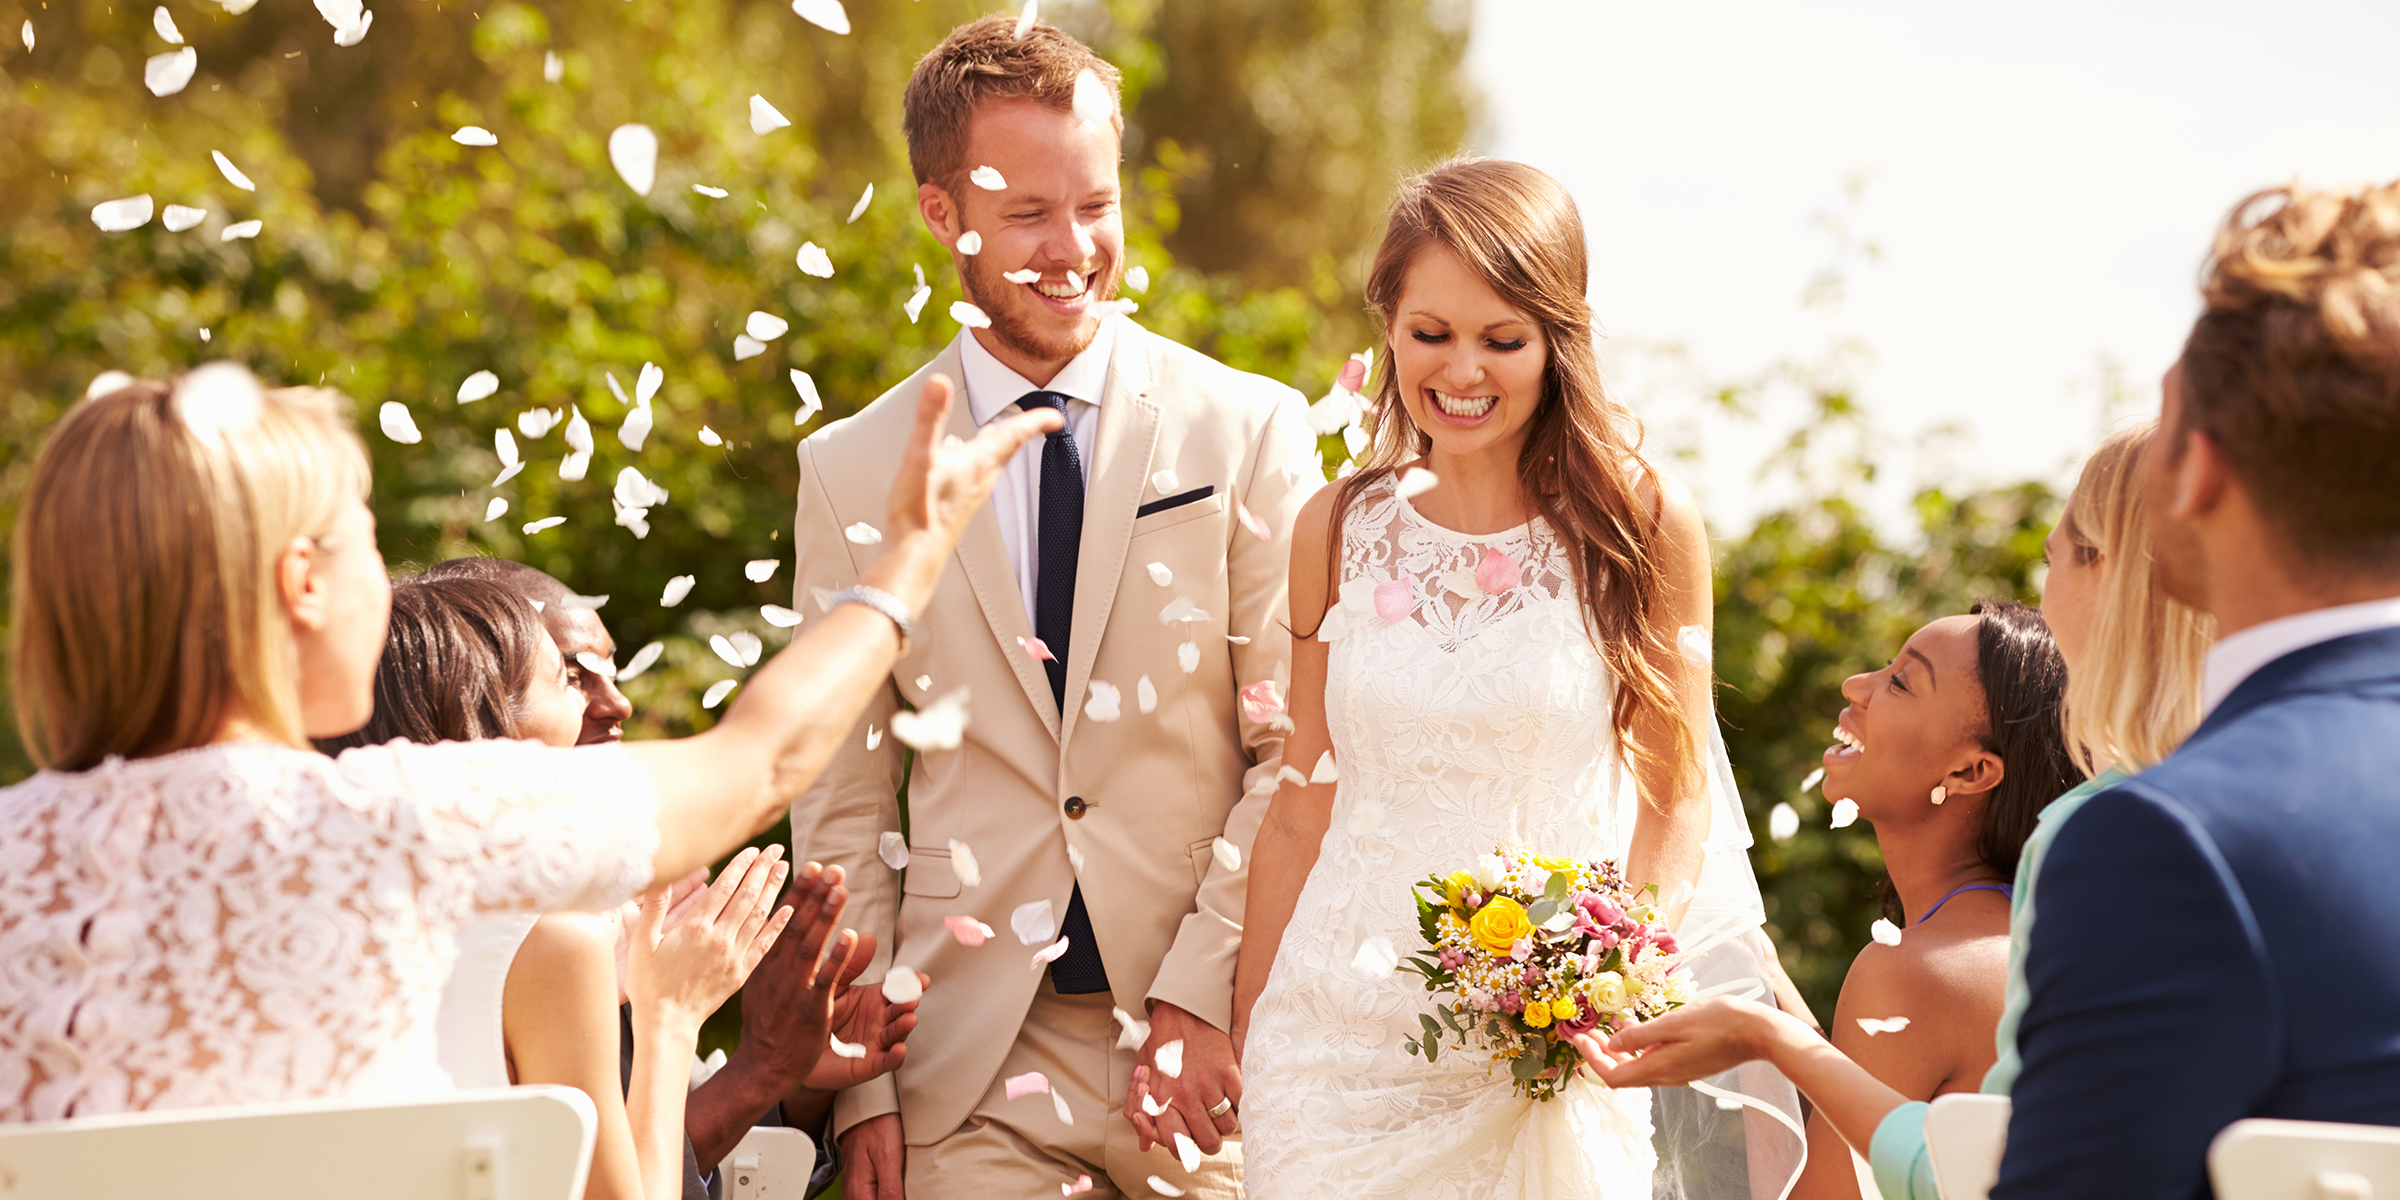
(1940, 793)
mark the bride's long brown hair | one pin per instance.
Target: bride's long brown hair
(1518, 230)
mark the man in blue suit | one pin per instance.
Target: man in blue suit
(2226, 941)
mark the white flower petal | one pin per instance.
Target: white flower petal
(1181, 608)
(842, 1049)
(1138, 279)
(633, 151)
(968, 315)
(1058, 1104)
(1170, 1059)
(1093, 105)
(713, 193)
(1102, 703)
(677, 588)
(1154, 1107)
(860, 209)
(117, 216)
(1845, 811)
(538, 422)
(1035, 922)
(534, 527)
(760, 570)
(511, 471)
(1075, 859)
(874, 737)
(1027, 275)
(901, 985)
(1049, 954)
(27, 34)
(1187, 1150)
(914, 306)
(924, 683)
(554, 68)
(892, 848)
(178, 218)
(233, 174)
(810, 402)
(987, 179)
(725, 650)
(962, 861)
(495, 510)
(1160, 575)
(827, 15)
(745, 346)
(1165, 482)
(241, 229)
(1885, 932)
(716, 693)
(763, 117)
(1292, 773)
(766, 327)
(778, 616)
(164, 22)
(1416, 481)
(1375, 958)
(475, 135)
(970, 243)
(579, 432)
(646, 384)
(1325, 771)
(573, 466)
(1876, 1025)
(863, 534)
(398, 425)
(1025, 19)
(1132, 1032)
(1814, 778)
(641, 661)
(1693, 642)
(1228, 855)
(169, 73)
(596, 664)
(940, 725)
(1187, 656)
(478, 386)
(813, 260)
(1145, 695)
(747, 645)
(636, 428)
(1782, 822)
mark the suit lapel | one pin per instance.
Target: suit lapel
(983, 559)
(1129, 424)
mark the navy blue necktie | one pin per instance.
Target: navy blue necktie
(1060, 521)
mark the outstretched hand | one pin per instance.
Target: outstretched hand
(684, 970)
(863, 1017)
(1693, 1042)
(943, 480)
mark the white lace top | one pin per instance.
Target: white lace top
(250, 922)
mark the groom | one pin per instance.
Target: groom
(2231, 940)
(1101, 616)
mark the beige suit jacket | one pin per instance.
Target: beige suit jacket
(1160, 787)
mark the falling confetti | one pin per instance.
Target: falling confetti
(969, 931)
(1034, 923)
(646, 384)
(1160, 575)
(1497, 573)
(940, 725)
(28, 33)
(554, 68)
(1082, 1184)
(495, 510)
(1885, 932)
(745, 346)
(1025, 19)
(1188, 1151)
(778, 616)
(1038, 649)
(1154, 1107)
(1693, 641)
(117, 216)
(1416, 481)
(1170, 1059)
(1048, 954)
(534, 527)
(349, 19)
(970, 243)
(713, 193)
(1145, 695)
(1027, 275)
(1876, 1025)
(1031, 1083)
(863, 534)
(633, 151)
(893, 849)
(766, 327)
(1845, 810)
(1228, 855)
(987, 179)
(636, 428)
(842, 1049)
(478, 386)
(1133, 1033)
(475, 135)
(1103, 702)
(915, 304)
(1165, 482)
(1325, 771)
(1814, 778)
(760, 570)
(579, 432)
(178, 218)
(763, 117)
(739, 651)
(874, 737)
(962, 860)
(538, 422)
(1187, 656)
(1782, 822)
(596, 664)
(824, 14)
(1161, 1186)
(1259, 701)
(1075, 859)
(169, 73)
(233, 174)
(717, 692)
(1257, 528)
(677, 589)
(968, 315)
(399, 426)
(241, 229)
(813, 260)
(860, 209)
(1291, 773)
(1138, 279)
(901, 985)
(504, 446)
(641, 661)
(1375, 958)
(1181, 608)
(810, 402)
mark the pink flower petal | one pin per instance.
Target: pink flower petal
(1259, 701)
(1082, 1184)
(1031, 1083)
(1497, 572)
(968, 930)
(1257, 527)
(1395, 600)
(1048, 954)
(1354, 375)
(1038, 649)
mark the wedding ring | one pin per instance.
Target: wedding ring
(1221, 1107)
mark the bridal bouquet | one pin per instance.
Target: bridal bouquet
(1530, 951)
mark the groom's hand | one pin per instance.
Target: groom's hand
(872, 1153)
(1210, 1076)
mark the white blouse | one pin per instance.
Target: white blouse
(249, 922)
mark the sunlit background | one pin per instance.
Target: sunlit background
(1876, 274)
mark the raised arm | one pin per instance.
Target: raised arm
(1285, 849)
(719, 788)
(1672, 827)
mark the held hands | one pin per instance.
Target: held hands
(942, 481)
(680, 970)
(1210, 1075)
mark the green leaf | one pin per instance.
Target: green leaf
(1541, 911)
(1561, 886)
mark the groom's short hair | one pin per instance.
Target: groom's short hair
(986, 60)
(2294, 368)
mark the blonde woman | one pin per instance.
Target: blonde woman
(2133, 694)
(196, 907)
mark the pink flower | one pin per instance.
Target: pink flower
(1259, 701)
(1662, 938)
(1395, 600)
(1512, 1001)
(1497, 572)
(1595, 912)
(1521, 949)
(1586, 1019)
(1533, 975)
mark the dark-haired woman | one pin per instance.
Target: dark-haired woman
(1951, 751)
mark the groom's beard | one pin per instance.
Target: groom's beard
(1017, 318)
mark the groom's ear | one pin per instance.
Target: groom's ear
(940, 212)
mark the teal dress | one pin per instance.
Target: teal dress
(1903, 1169)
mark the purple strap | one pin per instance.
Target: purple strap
(2001, 888)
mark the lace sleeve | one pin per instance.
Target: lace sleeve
(509, 826)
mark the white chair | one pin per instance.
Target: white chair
(2304, 1160)
(769, 1163)
(528, 1143)
(1964, 1134)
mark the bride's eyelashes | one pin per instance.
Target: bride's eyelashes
(1432, 338)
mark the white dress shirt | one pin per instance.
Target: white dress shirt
(2238, 656)
(992, 389)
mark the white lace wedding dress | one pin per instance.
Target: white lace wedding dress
(1460, 716)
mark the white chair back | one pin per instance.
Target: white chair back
(1964, 1134)
(769, 1163)
(2304, 1160)
(528, 1143)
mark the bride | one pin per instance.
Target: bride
(1517, 651)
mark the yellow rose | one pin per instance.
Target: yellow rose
(1607, 991)
(1555, 864)
(1499, 923)
(1564, 1008)
(1537, 1014)
(1457, 885)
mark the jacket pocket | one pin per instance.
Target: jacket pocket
(1181, 514)
(929, 874)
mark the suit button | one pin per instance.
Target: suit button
(1076, 808)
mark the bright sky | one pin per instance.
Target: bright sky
(2041, 178)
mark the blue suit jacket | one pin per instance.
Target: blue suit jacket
(2220, 939)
